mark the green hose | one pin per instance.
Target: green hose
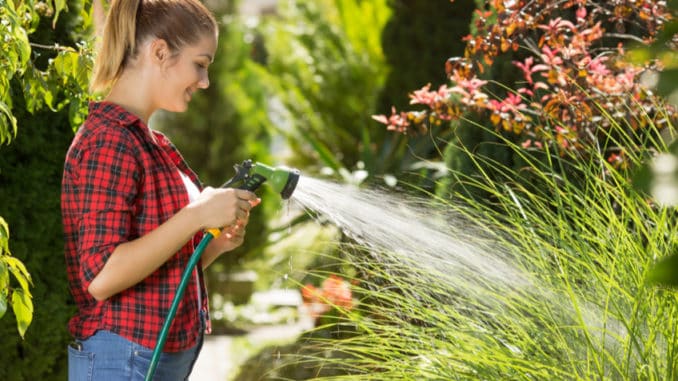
(192, 262)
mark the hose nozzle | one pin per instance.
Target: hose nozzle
(250, 176)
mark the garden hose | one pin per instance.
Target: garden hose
(249, 176)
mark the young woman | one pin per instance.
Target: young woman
(132, 209)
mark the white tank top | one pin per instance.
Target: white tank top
(191, 188)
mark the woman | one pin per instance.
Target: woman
(132, 209)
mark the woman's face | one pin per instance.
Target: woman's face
(184, 73)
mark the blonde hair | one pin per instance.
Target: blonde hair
(130, 22)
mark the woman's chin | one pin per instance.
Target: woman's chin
(179, 107)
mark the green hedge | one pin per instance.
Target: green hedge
(30, 185)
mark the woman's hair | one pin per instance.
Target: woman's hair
(130, 22)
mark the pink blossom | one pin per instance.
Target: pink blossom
(527, 68)
(597, 66)
(556, 25)
(581, 14)
(396, 122)
(550, 56)
(429, 98)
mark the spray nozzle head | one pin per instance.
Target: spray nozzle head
(250, 176)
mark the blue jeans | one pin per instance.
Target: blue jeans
(108, 356)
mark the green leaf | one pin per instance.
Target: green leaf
(23, 47)
(4, 276)
(59, 5)
(3, 304)
(4, 286)
(7, 132)
(4, 236)
(17, 268)
(83, 70)
(22, 305)
(66, 65)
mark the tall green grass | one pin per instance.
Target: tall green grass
(583, 235)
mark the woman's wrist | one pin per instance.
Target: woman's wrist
(193, 215)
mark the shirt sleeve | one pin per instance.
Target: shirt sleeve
(108, 176)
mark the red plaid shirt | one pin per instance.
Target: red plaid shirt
(120, 184)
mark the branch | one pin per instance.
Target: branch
(626, 36)
(51, 47)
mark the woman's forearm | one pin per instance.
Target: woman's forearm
(210, 254)
(133, 261)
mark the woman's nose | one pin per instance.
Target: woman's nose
(204, 81)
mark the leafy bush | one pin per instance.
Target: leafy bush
(31, 179)
(43, 82)
(576, 80)
(325, 68)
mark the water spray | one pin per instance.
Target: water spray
(249, 176)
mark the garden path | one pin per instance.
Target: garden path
(222, 355)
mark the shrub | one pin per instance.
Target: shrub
(576, 80)
(43, 81)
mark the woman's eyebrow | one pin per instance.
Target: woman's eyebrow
(209, 56)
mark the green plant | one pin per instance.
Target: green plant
(31, 183)
(581, 243)
(573, 69)
(44, 71)
(324, 68)
(35, 75)
(51, 75)
(19, 297)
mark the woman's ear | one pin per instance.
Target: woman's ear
(160, 52)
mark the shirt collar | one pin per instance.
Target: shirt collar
(113, 111)
(118, 114)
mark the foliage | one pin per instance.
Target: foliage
(416, 40)
(575, 83)
(43, 81)
(324, 69)
(19, 297)
(576, 307)
(663, 51)
(62, 82)
(31, 183)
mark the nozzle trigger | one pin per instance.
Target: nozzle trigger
(242, 172)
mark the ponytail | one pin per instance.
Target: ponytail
(118, 43)
(130, 22)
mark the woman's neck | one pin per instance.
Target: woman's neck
(130, 94)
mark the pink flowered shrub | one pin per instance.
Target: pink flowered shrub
(572, 87)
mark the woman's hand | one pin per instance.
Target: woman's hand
(231, 237)
(218, 207)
